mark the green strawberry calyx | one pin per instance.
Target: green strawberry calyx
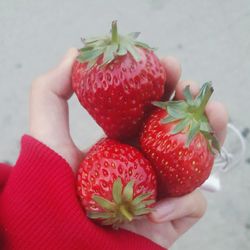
(110, 47)
(190, 117)
(123, 207)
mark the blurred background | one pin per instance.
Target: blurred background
(210, 38)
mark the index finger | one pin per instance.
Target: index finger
(58, 79)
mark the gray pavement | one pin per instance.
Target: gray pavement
(210, 38)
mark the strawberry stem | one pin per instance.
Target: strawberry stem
(110, 47)
(205, 93)
(126, 213)
(114, 32)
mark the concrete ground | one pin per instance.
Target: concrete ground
(210, 38)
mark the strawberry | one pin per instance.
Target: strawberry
(115, 183)
(115, 79)
(180, 144)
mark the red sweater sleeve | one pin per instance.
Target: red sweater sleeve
(5, 171)
(39, 208)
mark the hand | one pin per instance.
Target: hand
(49, 123)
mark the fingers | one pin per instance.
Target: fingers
(61, 75)
(194, 88)
(171, 217)
(183, 212)
(218, 118)
(216, 111)
(191, 205)
(58, 79)
(173, 72)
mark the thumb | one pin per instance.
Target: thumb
(67, 60)
(58, 79)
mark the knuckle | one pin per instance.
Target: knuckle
(218, 119)
(201, 204)
(197, 204)
(222, 109)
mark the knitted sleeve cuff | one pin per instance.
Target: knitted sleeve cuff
(40, 209)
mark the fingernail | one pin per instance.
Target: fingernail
(163, 211)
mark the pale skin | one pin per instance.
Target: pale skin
(49, 123)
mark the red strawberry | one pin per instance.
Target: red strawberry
(115, 183)
(178, 141)
(116, 78)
